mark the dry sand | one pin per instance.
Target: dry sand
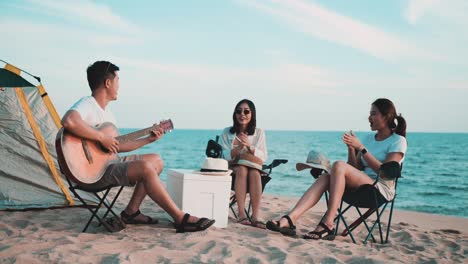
(54, 236)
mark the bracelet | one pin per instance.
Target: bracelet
(251, 148)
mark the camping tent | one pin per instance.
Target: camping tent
(29, 172)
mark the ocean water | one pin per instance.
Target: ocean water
(435, 172)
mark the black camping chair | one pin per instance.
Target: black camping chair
(367, 196)
(215, 150)
(111, 224)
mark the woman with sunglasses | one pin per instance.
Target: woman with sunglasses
(245, 147)
(364, 160)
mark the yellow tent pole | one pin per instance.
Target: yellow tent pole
(42, 145)
(13, 69)
(50, 106)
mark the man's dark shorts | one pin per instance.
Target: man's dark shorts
(116, 173)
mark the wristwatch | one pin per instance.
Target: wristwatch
(363, 151)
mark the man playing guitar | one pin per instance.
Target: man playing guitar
(141, 171)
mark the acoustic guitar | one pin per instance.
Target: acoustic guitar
(85, 161)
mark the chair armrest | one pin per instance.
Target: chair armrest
(390, 170)
(274, 163)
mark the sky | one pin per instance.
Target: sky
(307, 65)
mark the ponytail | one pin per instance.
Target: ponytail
(401, 126)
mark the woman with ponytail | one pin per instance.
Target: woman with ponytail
(364, 160)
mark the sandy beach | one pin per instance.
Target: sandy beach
(54, 236)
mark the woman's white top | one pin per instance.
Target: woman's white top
(380, 150)
(257, 140)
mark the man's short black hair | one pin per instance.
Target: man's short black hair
(99, 72)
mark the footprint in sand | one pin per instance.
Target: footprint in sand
(450, 245)
(7, 232)
(21, 223)
(450, 231)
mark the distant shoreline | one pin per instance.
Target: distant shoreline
(318, 131)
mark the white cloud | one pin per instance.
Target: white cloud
(417, 8)
(453, 11)
(19, 30)
(293, 76)
(322, 23)
(86, 12)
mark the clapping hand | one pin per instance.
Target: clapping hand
(243, 139)
(352, 141)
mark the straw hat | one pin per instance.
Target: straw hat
(315, 160)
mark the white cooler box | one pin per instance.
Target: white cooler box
(200, 195)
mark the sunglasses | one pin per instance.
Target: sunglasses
(239, 111)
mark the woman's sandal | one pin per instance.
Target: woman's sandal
(244, 221)
(131, 219)
(200, 225)
(258, 224)
(326, 233)
(290, 230)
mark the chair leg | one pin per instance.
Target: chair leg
(341, 216)
(380, 228)
(389, 221)
(341, 212)
(93, 212)
(377, 222)
(364, 217)
(247, 212)
(75, 193)
(337, 218)
(232, 203)
(110, 206)
(358, 221)
(347, 228)
(95, 215)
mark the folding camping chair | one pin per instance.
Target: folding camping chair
(112, 224)
(367, 196)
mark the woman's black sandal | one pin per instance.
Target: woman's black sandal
(200, 225)
(287, 231)
(131, 219)
(325, 234)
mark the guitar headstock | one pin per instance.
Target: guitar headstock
(166, 125)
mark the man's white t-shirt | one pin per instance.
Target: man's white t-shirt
(92, 113)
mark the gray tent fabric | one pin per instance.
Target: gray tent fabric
(26, 179)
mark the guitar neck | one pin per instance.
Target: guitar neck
(134, 135)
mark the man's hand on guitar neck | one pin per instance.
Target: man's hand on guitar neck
(155, 134)
(109, 143)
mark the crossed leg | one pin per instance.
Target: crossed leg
(342, 175)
